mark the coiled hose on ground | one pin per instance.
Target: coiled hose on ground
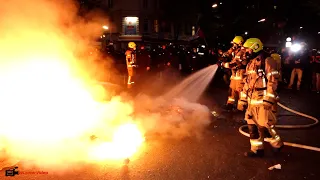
(316, 121)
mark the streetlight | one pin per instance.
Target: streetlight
(214, 5)
(262, 20)
(301, 27)
(246, 33)
(105, 27)
(296, 47)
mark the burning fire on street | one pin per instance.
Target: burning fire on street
(125, 142)
(50, 114)
(48, 104)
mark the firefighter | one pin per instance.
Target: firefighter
(277, 58)
(237, 67)
(131, 63)
(259, 94)
(237, 44)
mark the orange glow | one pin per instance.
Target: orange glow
(125, 142)
(48, 100)
(53, 114)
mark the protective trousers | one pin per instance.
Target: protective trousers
(233, 96)
(261, 124)
(131, 76)
(236, 86)
(296, 72)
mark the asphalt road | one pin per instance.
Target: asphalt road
(218, 155)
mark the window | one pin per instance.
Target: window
(146, 26)
(193, 30)
(130, 25)
(110, 3)
(145, 3)
(156, 26)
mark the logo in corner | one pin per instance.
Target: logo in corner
(12, 171)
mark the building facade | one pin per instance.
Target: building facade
(145, 20)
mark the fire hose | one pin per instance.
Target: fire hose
(316, 121)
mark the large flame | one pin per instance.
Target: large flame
(125, 142)
(45, 111)
(47, 100)
(49, 108)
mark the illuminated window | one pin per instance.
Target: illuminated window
(193, 30)
(288, 44)
(156, 26)
(130, 25)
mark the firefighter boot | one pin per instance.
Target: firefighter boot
(278, 150)
(256, 141)
(275, 140)
(267, 133)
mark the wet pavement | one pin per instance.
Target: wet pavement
(218, 154)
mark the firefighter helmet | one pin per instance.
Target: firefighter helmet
(276, 57)
(253, 43)
(238, 40)
(132, 45)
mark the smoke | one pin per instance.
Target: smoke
(48, 27)
(175, 114)
(171, 119)
(47, 98)
(45, 74)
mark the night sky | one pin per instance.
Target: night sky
(235, 17)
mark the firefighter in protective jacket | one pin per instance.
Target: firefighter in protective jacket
(238, 68)
(259, 95)
(131, 63)
(236, 47)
